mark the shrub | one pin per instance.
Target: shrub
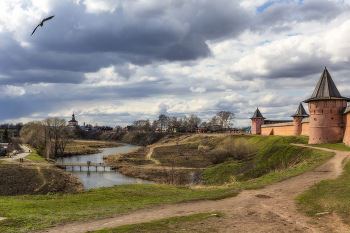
(40, 150)
(218, 155)
(239, 148)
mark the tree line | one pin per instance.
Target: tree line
(50, 135)
(223, 120)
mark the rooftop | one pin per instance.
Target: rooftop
(325, 89)
(257, 114)
(300, 112)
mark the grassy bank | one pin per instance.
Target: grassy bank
(85, 147)
(332, 196)
(26, 178)
(274, 160)
(333, 146)
(29, 213)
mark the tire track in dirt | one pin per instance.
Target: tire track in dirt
(271, 209)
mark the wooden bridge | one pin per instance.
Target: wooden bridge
(88, 165)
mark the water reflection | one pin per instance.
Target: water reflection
(102, 177)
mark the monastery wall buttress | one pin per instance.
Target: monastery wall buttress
(328, 120)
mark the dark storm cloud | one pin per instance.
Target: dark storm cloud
(81, 42)
(275, 17)
(188, 24)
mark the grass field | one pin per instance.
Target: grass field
(328, 196)
(34, 156)
(28, 213)
(274, 160)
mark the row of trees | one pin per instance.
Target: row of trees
(51, 135)
(17, 126)
(223, 120)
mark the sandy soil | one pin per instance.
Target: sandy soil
(271, 209)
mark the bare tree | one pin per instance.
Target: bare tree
(163, 120)
(174, 124)
(225, 119)
(193, 122)
(51, 131)
(155, 125)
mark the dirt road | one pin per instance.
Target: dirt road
(271, 209)
(21, 155)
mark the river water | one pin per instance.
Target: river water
(93, 178)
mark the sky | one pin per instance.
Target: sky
(112, 62)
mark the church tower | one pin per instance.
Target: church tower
(257, 120)
(297, 117)
(325, 108)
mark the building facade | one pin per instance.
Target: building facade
(327, 122)
(73, 122)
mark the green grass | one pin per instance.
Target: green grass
(34, 156)
(333, 146)
(275, 160)
(328, 196)
(4, 162)
(221, 174)
(173, 224)
(29, 213)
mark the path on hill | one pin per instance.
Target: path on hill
(18, 156)
(271, 209)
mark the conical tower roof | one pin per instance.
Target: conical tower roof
(257, 114)
(325, 89)
(300, 112)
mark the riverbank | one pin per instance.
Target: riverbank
(29, 178)
(214, 159)
(87, 147)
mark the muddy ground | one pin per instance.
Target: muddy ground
(32, 179)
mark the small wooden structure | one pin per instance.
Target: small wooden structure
(88, 165)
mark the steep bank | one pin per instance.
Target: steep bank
(33, 179)
(216, 159)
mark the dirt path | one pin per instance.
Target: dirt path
(21, 155)
(42, 177)
(271, 209)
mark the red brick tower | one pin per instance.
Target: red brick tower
(325, 107)
(297, 117)
(257, 121)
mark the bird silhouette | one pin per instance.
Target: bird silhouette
(42, 23)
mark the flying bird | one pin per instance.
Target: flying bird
(42, 23)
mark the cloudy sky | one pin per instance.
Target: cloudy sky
(115, 61)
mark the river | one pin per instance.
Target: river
(101, 178)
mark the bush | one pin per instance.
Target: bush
(238, 149)
(218, 155)
(40, 150)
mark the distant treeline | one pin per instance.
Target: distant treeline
(17, 126)
(131, 137)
